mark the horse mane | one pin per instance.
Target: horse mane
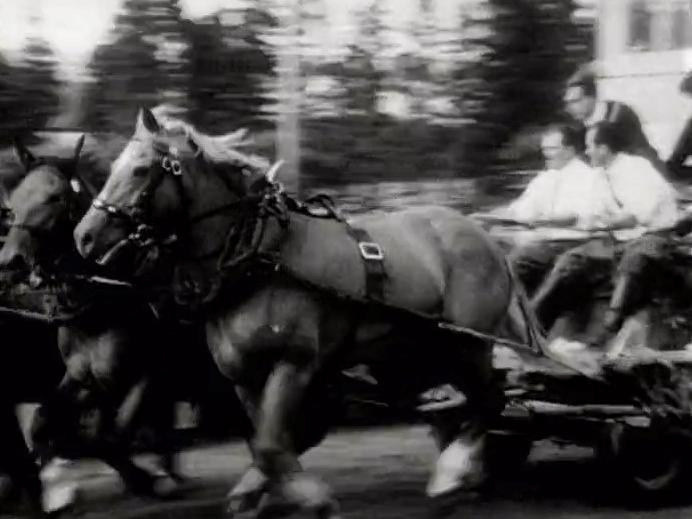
(217, 149)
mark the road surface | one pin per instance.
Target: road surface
(380, 473)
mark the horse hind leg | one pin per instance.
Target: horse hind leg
(460, 464)
(460, 432)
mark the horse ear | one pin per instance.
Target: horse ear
(23, 154)
(147, 120)
(78, 148)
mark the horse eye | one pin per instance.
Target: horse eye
(140, 171)
(54, 199)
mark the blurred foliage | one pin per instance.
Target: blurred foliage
(474, 94)
(524, 52)
(213, 73)
(499, 76)
(29, 90)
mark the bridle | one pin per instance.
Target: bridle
(136, 216)
(71, 216)
(52, 251)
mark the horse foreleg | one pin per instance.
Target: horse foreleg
(247, 492)
(461, 432)
(275, 452)
(131, 407)
(15, 459)
(141, 398)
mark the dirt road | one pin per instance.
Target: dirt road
(381, 474)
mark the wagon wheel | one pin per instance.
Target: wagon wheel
(506, 451)
(648, 462)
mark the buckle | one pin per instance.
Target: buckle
(370, 250)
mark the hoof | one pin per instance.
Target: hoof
(247, 492)
(272, 506)
(59, 492)
(458, 468)
(166, 487)
(60, 497)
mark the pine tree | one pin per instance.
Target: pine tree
(11, 97)
(519, 54)
(125, 77)
(143, 64)
(230, 67)
(39, 84)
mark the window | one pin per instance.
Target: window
(682, 28)
(640, 26)
(659, 25)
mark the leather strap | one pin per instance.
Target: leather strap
(373, 261)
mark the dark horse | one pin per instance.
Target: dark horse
(109, 342)
(284, 289)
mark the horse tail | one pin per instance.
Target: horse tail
(522, 320)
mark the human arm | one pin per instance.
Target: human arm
(531, 204)
(648, 196)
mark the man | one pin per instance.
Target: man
(679, 162)
(582, 104)
(642, 201)
(568, 193)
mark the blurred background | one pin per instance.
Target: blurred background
(379, 102)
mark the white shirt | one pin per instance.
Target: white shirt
(575, 190)
(641, 191)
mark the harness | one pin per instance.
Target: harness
(241, 252)
(54, 291)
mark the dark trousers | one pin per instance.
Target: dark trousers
(573, 277)
(533, 261)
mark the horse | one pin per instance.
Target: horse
(282, 292)
(108, 346)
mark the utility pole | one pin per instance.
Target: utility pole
(288, 123)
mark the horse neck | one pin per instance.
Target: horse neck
(208, 191)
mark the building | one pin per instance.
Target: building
(644, 49)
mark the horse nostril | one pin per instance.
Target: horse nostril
(85, 242)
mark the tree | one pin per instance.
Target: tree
(39, 84)
(230, 67)
(521, 52)
(125, 77)
(10, 99)
(143, 64)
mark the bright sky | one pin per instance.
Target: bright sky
(75, 27)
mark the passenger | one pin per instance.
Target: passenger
(644, 202)
(679, 163)
(582, 103)
(569, 193)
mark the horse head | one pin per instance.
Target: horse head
(44, 206)
(168, 179)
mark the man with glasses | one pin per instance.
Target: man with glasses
(643, 202)
(568, 194)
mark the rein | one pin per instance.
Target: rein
(145, 235)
